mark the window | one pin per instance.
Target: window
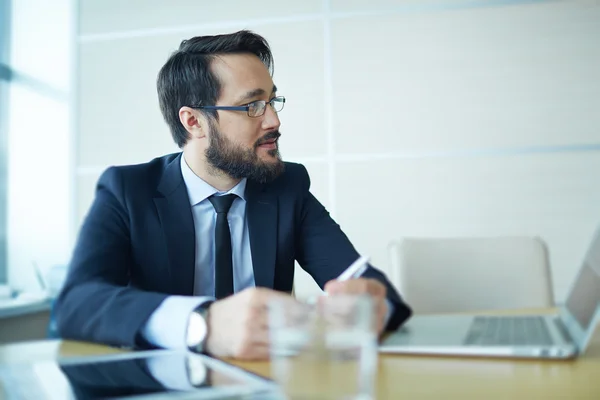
(37, 40)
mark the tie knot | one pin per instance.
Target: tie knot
(222, 204)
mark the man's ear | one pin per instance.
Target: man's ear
(193, 122)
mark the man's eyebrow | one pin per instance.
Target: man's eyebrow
(254, 93)
(250, 94)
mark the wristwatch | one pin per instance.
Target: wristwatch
(197, 328)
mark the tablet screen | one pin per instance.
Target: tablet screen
(136, 375)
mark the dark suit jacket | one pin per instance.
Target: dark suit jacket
(137, 246)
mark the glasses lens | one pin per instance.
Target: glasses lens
(277, 103)
(256, 108)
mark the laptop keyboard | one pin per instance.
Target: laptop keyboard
(511, 331)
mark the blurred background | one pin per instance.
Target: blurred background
(414, 118)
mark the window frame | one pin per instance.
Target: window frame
(6, 78)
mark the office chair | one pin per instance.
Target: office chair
(445, 275)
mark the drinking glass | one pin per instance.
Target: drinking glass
(324, 348)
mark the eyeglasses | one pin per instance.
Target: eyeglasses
(255, 109)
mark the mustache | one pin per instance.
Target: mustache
(273, 135)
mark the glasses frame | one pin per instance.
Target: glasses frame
(246, 107)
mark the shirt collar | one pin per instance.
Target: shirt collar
(198, 190)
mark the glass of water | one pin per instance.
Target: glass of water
(325, 348)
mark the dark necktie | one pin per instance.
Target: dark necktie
(223, 261)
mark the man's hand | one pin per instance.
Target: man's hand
(372, 287)
(238, 325)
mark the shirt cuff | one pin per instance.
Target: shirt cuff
(167, 326)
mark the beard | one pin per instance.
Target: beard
(239, 162)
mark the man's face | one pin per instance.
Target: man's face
(240, 145)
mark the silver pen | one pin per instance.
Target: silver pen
(355, 270)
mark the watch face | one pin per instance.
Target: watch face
(196, 331)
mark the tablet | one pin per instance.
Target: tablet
(144, 375)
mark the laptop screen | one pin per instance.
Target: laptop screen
(585, 295)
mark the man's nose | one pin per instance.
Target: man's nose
(270, 119)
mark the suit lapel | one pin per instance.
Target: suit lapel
(176, 218)
(261, 214)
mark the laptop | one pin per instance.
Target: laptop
(562, 335)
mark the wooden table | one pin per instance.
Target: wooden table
(409, 377)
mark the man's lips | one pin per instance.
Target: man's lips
(271, 144)
(269, 141)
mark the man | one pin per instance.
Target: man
(188, 249)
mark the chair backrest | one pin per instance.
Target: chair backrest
(441, 275)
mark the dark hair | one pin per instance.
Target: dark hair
(187, 80)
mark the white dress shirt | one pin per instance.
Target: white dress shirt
(175, 310)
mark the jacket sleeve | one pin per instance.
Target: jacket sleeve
(97, 302)
(325, 251)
